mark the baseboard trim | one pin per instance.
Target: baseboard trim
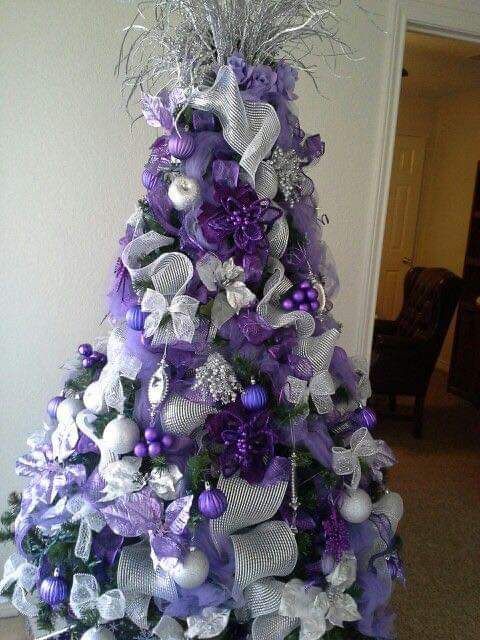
(7, 610)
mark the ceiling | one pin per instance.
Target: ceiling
(439, 66)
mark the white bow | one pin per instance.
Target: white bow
(85, 596)
(119, 363)
(209, 624)
(166, 482)
(229, 280)
(375, 453)
(171, 313)
(64, 440)
(25, 575)
(90, 520)
(318, 610)
(319, 389)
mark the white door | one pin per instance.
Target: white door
(401, 223)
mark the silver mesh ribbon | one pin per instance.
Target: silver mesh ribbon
(24, 575)
(137, 250)
(273, 627)
(248, 504)
(140, 581)
(321, 387)
(171, 313)
(90, 520)
(181, 416)
(85, 597)
(389, 506)
(269, 549)
(263, 597)
(250, 128)
(120, 362)
(278, 237)
(364, 389)
(269, 307)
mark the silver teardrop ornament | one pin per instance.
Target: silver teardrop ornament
(158, 386)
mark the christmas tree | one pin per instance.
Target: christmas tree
(208, 470)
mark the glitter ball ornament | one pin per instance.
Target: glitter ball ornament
(54, 589)
(67, 409)
(181, 146)
(94, 399)
(355, 506)
(255, 397)
(53, 405)
(192, 571)
(135, 317)
(121, 435)
(98, 633)
(212, 503)
(217, 379)
(184, 193)
(364, 417)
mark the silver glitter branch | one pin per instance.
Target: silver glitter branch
(179, 43)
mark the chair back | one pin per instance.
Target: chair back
(430, 298)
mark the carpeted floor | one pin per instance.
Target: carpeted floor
(439, 478)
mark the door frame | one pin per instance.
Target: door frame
(412, 15)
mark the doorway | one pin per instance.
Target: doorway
(436, 154)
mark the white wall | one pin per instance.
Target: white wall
(70, 176)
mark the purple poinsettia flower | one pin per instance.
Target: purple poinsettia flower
(248, 442)
(238, 219)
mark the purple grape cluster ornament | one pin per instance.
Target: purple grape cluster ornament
(303, 297)
(255, 397)
(154, 443)
(54, 589)
(212, 503)
(91, 358)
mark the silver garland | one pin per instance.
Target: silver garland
(217, 379)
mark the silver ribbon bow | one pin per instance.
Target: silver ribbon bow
(85, 596)
(168, 629)
(375, 453)
(269, 307)
(119, 363)
(135, 253)
(229, 280)
(25, 575)
(250, 128)
(321, 386)
(171, 313)
(140, 581)
(90, 520)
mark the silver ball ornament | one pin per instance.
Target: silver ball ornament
(98, 633)
(121, 435)
(355, 506)
(193, 571)
(67, 410)
(184, 193)
(94, 400)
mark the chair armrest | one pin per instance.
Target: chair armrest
(385, 327)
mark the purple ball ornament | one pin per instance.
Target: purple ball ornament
(54, 589)
(135, 317)
(150, 180)
(140, 450)
(212, 503)
(99, 358)
(312, 294)
(288, 304)
(52, 406)
(298, 295)
(181, 146)
(151, 434)
(167, 440)
(255, 397)
(154, 449)
(364, 417)
(305, 284)
(85, 350)
(89, 362)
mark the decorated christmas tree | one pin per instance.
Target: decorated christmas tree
(208, 469)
